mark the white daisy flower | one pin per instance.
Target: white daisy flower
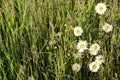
(81, 46)
(94, 66)
(76, 67)
(58, 35)
(52, 42)
(78, 31)
(94, 48)
(100, 59)
(107, 27)
(100, 8)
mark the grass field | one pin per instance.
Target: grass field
(37, 40)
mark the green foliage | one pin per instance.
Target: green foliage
(28, 26)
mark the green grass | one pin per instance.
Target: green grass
(27, 26)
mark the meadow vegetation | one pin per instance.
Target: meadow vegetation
(37, 40)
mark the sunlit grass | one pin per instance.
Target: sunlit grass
(37, 40)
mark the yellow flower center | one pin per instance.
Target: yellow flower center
(65, 25)
(76, 67)
(95, 47)
(71, 46)
(107, 27)
(78, 31)
(47, 48)
(68, 54)
(101, 8)
(82, 46)
(94, 66)
(99, 59)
